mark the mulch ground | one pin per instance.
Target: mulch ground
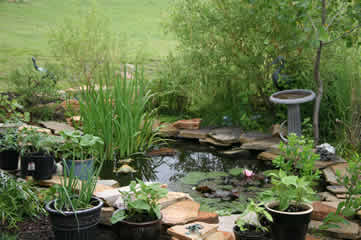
(40, 229)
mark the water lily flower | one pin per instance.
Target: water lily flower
(248, 173)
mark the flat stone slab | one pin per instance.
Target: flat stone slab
(267, 156)
(180, 212)
(219, 235)
(194, 134)
(236, 152)
(109, 182)
(321, 210)
(226, 135)
(326, 196)
(253, 136)
(324, 164)
(162, 152)
(167, 130)
(56, 127)
(341, 168)
(226, 223)
(188, 124)
(106, 214)
(182, 233)
(270, 145)
(346, 231)
(172, 198)
(336, 189)
(330, 176)
(36, 128)
(214, 142)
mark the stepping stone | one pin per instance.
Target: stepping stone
(190, 124)
(56, 127)
(337, 189)
(180, 212)
(38, 129)
(214, 142)
(109, 182)
(270, 144)
(106, 214)
(207, 217)
(162, 152)
(330, 176)
(267, 156)
(321, 210)
(324, 164)
(219, 235)
(326, 196)
(180, 232)
(253, 137)
(341, 168)
(236, 152)
(344, 196)
(226, 223)
(167, 130)
(172, 198)
(225, 135)
(194, 134)
(346, 231)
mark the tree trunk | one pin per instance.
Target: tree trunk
(319, 82)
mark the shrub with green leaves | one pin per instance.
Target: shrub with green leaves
(141, 202)
(32, 141)
(297, 157)
(9, 140)
(18, 200)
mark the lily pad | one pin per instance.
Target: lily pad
(194, 178)
(236, 171)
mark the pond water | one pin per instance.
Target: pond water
(190, 157)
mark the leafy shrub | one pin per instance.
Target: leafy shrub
(18, 200)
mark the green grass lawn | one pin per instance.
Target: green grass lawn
(24, 28)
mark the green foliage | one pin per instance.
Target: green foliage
(141, 200)
(18, 200)
(8, 140)
(259, 210)
(352, 204)
(289, 190)
(194, 178)
(115, 111)
(78, 146)
(82, 46)
(236, 171)
(35, 87)
(298, 156)
(74, 194)
(10, 110)
(32, 141)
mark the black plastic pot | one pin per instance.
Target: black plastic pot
(78, 225)
(249, 235)
(9, 160)
(289, 225)
(38, 165)
(138, 231)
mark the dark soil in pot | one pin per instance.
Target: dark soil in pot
(9, 160)
(250, 234)
(290, 225)
(147, 230)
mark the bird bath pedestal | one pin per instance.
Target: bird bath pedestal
(293, 99)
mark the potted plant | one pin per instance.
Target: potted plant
(36, 157)
(290, 209)
(140, 218)
(253, 223)
(75, 212)
(9, 150)
(79, 149)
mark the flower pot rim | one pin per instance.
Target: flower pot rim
(275, 203)
(139, 223)
(49, 208)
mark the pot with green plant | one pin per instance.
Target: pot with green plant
(253, 223)
(75, 213)
(80, 150)
(9, 150)
(290, 207)
(140, 219)
(37, 159)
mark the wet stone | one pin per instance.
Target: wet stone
(270, 145)
(225, 135)
(321, 210)
(253, 136)
(337, 189)
(194, 134)
(330, 176)
(180, 212)
(346, 231)
(183, 232)
(56, 127)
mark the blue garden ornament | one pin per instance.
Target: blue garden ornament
(46, 73)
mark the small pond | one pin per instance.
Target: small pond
(202, 171)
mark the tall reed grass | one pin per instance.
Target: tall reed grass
(113, 107)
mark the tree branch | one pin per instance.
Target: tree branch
(334, 17)
(343, 35)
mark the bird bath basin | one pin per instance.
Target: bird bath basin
(293, 99)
